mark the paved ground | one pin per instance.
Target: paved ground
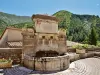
(88, 66)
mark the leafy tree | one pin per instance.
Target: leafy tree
(64, 18)
(63, 24)
(76, 31)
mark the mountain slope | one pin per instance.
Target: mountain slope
(3, 24)
(64, 18)
(78, 27)
(13, 19)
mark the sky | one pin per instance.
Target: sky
(30, 7)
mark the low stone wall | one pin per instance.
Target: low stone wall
(47, 63)
(71, 50)
(78, 51)
(5, 65)
(87, 50)
(12, 53)
(75, 56)
(90, 52)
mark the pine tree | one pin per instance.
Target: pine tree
(93, 36)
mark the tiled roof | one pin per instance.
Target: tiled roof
(14, 44)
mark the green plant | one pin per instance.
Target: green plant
(77, 47)
(98, 43)
(85, 45)
(5, 60)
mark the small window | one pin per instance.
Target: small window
(51, 37)
(61, 36)
(31, 36)
(43, 37)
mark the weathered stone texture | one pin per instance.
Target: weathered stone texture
(44, 46)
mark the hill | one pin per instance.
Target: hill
(78, 27)
(13, 19)
(64, 18)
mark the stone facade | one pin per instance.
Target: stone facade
(44, 45)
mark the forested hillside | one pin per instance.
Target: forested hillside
(14, 21)
(78, 27)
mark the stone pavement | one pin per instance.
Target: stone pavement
(88, 66)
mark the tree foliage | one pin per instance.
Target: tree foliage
(93, 36)
(64, 18)
(78, 26)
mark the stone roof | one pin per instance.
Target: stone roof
(44, 17)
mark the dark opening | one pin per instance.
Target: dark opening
(61, 36)
(46, 53)
(43, 37)
(51, 37)
(31, 36)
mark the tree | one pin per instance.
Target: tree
(93, 36)
(76, 30)
(63, 24)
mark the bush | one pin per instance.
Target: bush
(83, 46)
(77, 47)
(98, 43)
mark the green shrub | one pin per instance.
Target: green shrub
(98, 43)
(83, 46)
(77, 47)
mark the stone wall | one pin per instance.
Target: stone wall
(14, 35)
(33, 43)
(12, 53)
(47, 63)
(46, 26)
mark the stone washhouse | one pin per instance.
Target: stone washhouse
(44, 46)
